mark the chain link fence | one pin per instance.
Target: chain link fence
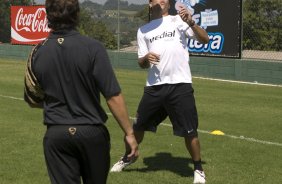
(122, 18)
(262, 29)
(261, 25)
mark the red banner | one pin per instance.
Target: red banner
(29, 24)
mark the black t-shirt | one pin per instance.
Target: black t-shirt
(73, 70)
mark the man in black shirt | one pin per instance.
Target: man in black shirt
(65, 75)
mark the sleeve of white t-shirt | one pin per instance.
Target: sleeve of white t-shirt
(141, 42)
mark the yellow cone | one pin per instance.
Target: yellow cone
(217, 132)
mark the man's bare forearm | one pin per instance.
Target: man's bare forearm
(201, 34)
(117, 106)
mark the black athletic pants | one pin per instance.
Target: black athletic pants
(73, 152)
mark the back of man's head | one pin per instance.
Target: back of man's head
(62, 14)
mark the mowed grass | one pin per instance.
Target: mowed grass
(249, 111)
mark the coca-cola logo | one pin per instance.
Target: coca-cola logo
(29, 24)
(32, 22)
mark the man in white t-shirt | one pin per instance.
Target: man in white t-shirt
(162, 48)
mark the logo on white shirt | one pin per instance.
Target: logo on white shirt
(166, 34)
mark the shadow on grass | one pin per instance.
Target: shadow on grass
(165, 161)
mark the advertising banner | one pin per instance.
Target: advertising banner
(222, 21)
(29, 24)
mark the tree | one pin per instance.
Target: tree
(262, 22)
(143, 14)
(113, 4)
(96, 30)
(107, 14)
(5, 29)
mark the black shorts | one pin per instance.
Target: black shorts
(73, 152)
(174, 100)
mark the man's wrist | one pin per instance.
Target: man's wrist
(146, 62)
(191, 23)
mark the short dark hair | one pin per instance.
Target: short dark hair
(62, 14)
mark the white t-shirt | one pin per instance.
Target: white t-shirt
(168, 37)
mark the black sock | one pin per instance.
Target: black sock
(198, 165)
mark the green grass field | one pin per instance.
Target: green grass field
(249, 152)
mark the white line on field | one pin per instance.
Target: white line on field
(226, 135)
(11, 97)
(201, 131)
(236, 137)
(240, 82)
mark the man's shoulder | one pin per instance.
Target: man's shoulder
(153, 24)
(145, 26)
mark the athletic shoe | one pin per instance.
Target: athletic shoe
(199, 177)
(121, 164)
